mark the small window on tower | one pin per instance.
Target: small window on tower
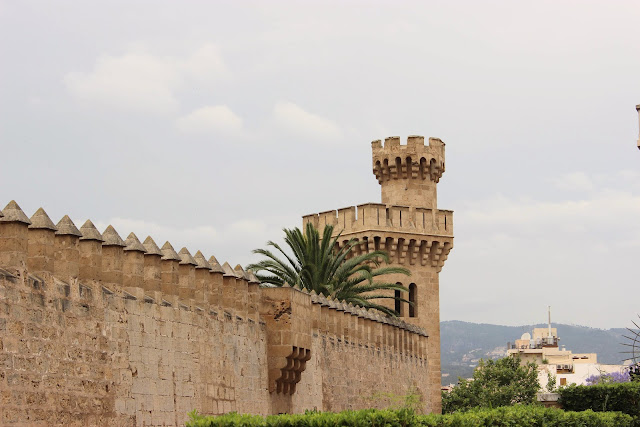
(413, 299)
(398, 303)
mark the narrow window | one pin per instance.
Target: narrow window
(398, 303)
(413, 299)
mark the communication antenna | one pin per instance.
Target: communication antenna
(633, 342)
(550, 336)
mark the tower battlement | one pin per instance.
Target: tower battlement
(408, 174)
(412, 161)
(380, 217)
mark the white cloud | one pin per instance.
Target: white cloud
(575, 181)
(133, 82)
(605, 209)
(248, 226)
(205, 65)
(217, 118)
(294, 119)
(142, 82)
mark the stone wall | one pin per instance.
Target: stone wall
(96, 330)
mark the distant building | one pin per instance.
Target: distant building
(541, 347)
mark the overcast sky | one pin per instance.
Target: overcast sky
(215, 124)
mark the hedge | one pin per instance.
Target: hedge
(519, 415)
(623, 397)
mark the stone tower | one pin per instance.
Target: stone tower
(411, 228)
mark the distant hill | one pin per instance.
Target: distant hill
(463, 344)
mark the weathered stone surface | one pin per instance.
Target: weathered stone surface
(168, 253)
(201, 261)
(13, 213)
(66, 227)
(186, 258)
(90, 232)
(133, 244)
(215, 265)
(239, 272)
(111, 237)
(253, 278)
(227, 270)
(40, 220)
(151, 247)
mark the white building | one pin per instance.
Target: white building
(567, 367)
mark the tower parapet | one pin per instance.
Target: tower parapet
(408, 174)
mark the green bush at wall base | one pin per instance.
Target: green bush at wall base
(518, 415)
(623, 397)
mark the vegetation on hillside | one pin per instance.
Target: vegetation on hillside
(315, 263)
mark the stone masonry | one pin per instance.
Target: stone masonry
(410, 227)
(97, 330)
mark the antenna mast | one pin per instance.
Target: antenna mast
(550, 322)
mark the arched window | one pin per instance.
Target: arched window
(398, 303)
(413, 299)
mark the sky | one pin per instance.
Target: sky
(216, 124)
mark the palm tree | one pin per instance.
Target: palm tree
(317, 266)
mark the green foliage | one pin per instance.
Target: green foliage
(495, 383)
(624, 397)
(521, 415)
(551, 382)
(412, 401)
(317, 264)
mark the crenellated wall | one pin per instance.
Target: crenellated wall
(97, 330)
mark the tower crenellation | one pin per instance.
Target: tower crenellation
(408, 174)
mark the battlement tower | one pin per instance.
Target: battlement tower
(410, 227)
(408, 174)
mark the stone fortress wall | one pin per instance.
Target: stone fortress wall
(97, 330)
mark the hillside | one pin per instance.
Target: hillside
(464, 343)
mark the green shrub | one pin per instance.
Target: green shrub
(518, 415)
(623, 397)
(495, 383)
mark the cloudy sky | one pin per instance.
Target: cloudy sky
(215, 124)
